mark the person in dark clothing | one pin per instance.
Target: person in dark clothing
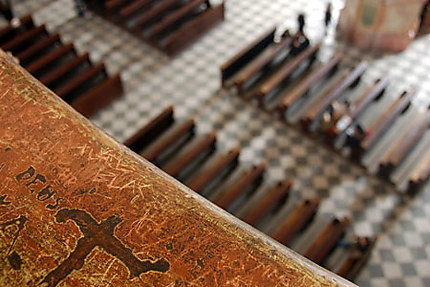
(6, 10)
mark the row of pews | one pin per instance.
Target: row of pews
(283, 74)
(278, 73)
(87, 87)
(174, 146)
(170, 25)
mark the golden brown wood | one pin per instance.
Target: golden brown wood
(66, 186)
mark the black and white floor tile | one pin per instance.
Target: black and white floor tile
(191, 82)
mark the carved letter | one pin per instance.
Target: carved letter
(26, 174)
(3, 200)
(38, 177)
(54, 206)
(46, 193)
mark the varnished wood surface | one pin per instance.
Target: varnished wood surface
(83, 210)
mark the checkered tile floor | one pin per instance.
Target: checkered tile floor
(191, 83)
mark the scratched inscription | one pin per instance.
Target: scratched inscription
(18, 223)
(98, 235)
(3, 200)
(36, 184)
(95, 234)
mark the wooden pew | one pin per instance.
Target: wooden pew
(151, 131)
(198, 149)
(58, 73)
(38, 49)
(67, 90)
(303, 87)
(11, 31)
(153, 14)
(237, 62)
(110, 7)
(170, 25)
(173, 19)
(59, 67)
(296, 221)
(193, 30)
(327, 240)
(401, 148)
(36, 67)
(247, 181)
(285, 71)
(348, 80)
(133, 8)
(21, 41)
(225, 163)
(99, 96)
(178, 132)
(91, 197)
(359, 254)
(355, 109)
(260, 62)
(420, 175)
(274, 197)
(374, 132)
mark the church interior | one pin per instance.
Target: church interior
(307, 121)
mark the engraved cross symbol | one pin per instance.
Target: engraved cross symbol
(101, 235)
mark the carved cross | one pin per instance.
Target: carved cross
(101, 235)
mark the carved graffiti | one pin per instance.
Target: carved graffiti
(98, 235)
(13, 257)
(3, 200)
(36, 184)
